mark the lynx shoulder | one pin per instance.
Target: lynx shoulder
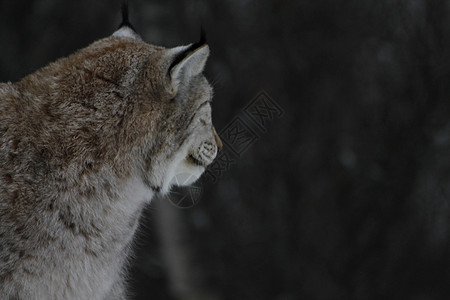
(85, 143)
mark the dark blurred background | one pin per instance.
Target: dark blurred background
(344, 196)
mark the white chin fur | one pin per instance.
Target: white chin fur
(186, 174)
(182, 174)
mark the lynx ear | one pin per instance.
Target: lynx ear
(125, 28)
(188, 62)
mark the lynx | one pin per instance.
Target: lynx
(85, 143)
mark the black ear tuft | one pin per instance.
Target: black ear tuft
(190, 49)
(125, 19)
(202, 36)
(202, 40)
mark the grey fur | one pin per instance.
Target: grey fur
(85, 143)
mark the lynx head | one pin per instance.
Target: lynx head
(140, 110)
(177, 138)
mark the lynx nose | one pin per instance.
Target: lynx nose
(217, 140)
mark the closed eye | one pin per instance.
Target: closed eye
(196, 111)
